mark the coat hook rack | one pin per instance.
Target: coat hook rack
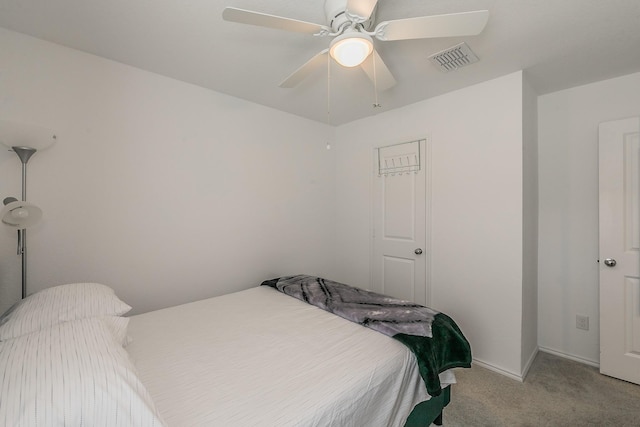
(401, 163)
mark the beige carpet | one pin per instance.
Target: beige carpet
(556, 393)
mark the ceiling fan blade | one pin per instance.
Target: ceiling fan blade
(422, 27)
(382, 77)
(272, 21)
(361, 8)
(307, 68)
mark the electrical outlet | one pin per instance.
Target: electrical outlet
(582, 322)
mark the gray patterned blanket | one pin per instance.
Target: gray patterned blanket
(433, 337)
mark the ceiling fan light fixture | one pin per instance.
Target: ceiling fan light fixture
(351, 49)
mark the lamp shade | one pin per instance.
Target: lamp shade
(20, 214)
(351, 49)
(17, 134)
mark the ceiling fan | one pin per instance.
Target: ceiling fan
(351, 23)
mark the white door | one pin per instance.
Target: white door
(399, 252)
(619, 249)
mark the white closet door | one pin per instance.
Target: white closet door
(400, 255)
(619, 159)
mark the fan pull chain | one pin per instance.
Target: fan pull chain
(376, 103)
(329, 100)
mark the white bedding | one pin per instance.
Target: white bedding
(262, 358)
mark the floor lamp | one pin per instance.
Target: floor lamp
(25, 140)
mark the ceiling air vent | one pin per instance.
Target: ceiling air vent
(453, 58)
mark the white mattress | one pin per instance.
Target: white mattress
(259, 357)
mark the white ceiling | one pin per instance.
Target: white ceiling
(560, 44)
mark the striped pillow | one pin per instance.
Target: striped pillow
(72, 374)
(60, 304)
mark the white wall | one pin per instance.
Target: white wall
(166, 191)
(477, 208)
(568, 243)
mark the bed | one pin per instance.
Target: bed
(255, 357)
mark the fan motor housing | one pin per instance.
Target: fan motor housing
(336, 16)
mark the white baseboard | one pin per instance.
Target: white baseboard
(498, 370)
(527, 366)
(570, 357)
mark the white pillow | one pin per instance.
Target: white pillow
(117, 326)
(60, 304)
(72, 374)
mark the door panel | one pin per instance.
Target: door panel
(399, 207)
(399, 277)
(400, 222)
(632, 316)
(619, 160)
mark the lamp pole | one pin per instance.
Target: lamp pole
(24, 153)
(25, 140)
